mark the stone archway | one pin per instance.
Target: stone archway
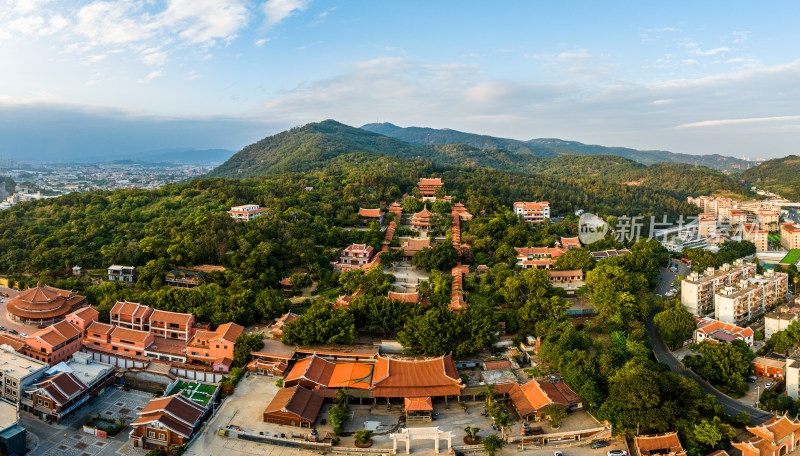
(432, 433)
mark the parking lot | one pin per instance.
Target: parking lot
(68, 437)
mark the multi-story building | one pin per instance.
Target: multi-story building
(83, 318)
(167, 422)
(707, 224)
(13, 437)
(370, 215)
(747, 298)
(354, 257)
(779, 320)
(121, 274)
(68, 386)
(537, 257)
(214, 348)
(769, 367)
(422, 219)
(428, 187)
(17, 372)
(396, 209)
(697, 289)
(790, 236)
(171, 325)
(768, 218)
(131, 315)
(246, 212)
(533, 212)
(756, 234)
(53, 344)
(184, 278)
(777, 436)
(736, 217)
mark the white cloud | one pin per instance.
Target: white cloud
(113, 22)
(150, 77)
(191, 76)
(725, 122)
(154, 56)
(261, 42)
(741, 36)
(714, 51)
(276, 11)
(203, 21)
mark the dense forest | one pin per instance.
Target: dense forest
(547, 147)
(781, 175)
(315, 145)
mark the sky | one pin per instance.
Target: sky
(113, 76)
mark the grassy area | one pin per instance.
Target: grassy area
(791, 257)
(776, 238)
(331, 293)
(478, 299)
(199, 393)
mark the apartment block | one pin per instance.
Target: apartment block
(790, 236)
(747, 298)
(354, 256)
(779, 320)
(532, 212)
(756, 234)
(697, 289)
(246, 212)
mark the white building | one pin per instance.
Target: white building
(778, 320)
(535, 212)
(748, 298)
(697, 289)
(246, 212)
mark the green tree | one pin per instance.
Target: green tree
(299, 281)
(321, 325)
(707, 433)
(492, 444)
(362, 436)
(440, 257)
(676, 325)
(575, 259)
(245, 344)
(555, 415)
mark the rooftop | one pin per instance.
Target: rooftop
(199, 393)
(8, 415)
(83, 367)
(16, 365)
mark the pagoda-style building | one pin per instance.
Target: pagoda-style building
(421, 220)
(43, 305)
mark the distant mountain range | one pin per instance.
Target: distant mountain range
(548, 148)
(185, 155)
(325, 144)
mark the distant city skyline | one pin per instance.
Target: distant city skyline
(105, 77)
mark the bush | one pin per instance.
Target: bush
(363, 436)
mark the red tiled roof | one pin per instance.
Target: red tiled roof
(298, 401)
(129, 334)
(86, 313)
(162, 316)
(62, 387)
(708, 326)
(415, 378)
(405, 297)
(131, 310)
(176, 412)
(418, 404)
(229, 332)
(100, 328)
(373, 213)
(41, 303)
(430, 181)
(659, 444)
(498, 364)
(536, 394)
(11, 341)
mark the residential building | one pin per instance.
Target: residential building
(601, 254)
(698, 289)
(54, 344)
(167, 422)
(707, 224)
(756, 234)
(764, 366)
(748, 298)
(13, 437)
(118, 339)
(667, 444)
(83, 318)
(121, 274)
(533, 212)
(569, 280)
(17, 372)
(532, 398)
(171, 325)
(537, 257)
(422, 219)
(715, 331)
(246, 212)
(354, 257)
(569, 243)
(295, 406)
(276, 330)
(184, 278)
(67, 386)
(790, 236)
(779, 320)
(273, 358)
(214, 348)
(131, 315)
(768, 218)
(43, 305)
(777, 436)
(370, 215)
(428, 187)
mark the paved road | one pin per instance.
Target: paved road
(663, 355)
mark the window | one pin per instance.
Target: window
(151, 434)
(39, 401)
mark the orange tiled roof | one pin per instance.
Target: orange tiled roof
(418, 404)
(298, 401)
(415, 378)
(100, 328)
(709, 325)
(658, 444)
(129, 334)
(11, 341)
(536, 394)
(131, 310)
(430, 181)
(162, 316)
(86, 313)
(40, 303)
(405, 297)
(373, 213)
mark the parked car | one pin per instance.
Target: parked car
(23, 335)
(558, 453)
(2, 328)
(13, 331)
(617, 453)
(599, 444)
(751, 379)
(768, 385)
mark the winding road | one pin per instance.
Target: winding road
(663, 355)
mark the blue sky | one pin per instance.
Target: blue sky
(693, 77)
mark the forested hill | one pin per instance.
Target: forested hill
(781, 175)
(314, 146)
(547, 147)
